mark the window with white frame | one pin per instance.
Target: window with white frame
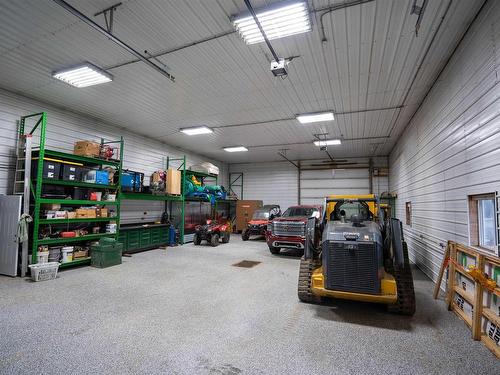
(482, 221)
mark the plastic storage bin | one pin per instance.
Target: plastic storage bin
(100, 177)
(44, 271)
(42, 257)
(107, 253)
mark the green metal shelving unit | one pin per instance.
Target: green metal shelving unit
(36, 183)
(182, 168)
(165, 198)
(150, 197)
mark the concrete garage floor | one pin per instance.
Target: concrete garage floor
(186, 310)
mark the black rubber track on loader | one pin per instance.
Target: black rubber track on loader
(304, 287)
(405, 304)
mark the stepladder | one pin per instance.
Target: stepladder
(22, 181)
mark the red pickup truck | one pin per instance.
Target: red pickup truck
(288, 231)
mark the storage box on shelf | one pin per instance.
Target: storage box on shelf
(75, 201)
(173, 182)
(87, 148)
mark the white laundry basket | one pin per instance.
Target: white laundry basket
(44, 271)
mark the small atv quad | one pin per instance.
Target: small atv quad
(212, 232)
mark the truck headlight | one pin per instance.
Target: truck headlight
(269, 227)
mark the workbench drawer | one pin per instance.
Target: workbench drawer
(145, 237)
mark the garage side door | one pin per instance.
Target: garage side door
(315, 185)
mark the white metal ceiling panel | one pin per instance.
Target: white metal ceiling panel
(368, 61)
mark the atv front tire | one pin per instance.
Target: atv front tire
(304, 288)
(196, 239)
(245, 235)
(214, 240)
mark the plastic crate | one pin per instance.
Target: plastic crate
(44, 271)
(107, 253)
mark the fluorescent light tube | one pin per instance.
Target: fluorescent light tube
(328, 142)
(83, 75)
(235, 149)
(315, 117)
(197, 130)
(278, 21)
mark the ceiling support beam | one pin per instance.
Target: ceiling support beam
(288, 160)
(293, 118)
(110, 10)
(224, 34)
(113, 38)
(310, 143)
(419, 11)
(333, 8)
(172, 50)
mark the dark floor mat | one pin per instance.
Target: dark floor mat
(246, 264)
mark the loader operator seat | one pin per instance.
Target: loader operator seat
(344, 210)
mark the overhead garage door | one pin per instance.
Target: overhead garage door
(315, 185)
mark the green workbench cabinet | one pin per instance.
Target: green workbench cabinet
(143, 237)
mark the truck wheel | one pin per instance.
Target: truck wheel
(405, 305)
(225, 237)
(196, 239)
(304, 287)
(274, 250)
(245, 235)
(214, 240)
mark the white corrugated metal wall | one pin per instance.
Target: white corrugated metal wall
(277, 182)
(64, 128)
(452, 147)
(315, 185)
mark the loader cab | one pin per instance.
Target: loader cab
(343, 207)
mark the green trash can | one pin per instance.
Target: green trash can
(107, 253)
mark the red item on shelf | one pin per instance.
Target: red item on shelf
(68, 234)
(93, 196)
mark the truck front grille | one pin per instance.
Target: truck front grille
(351, 266)
(289, 228)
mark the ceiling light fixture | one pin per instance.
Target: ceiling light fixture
(197, 130)
(327, 142)
(83, 75)
(235, 149)
(278, 21)
(307, 118)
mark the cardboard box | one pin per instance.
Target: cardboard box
(244, 212)
(60, 215)
(101, 212)
(88, 213)
(493, 332)
(465, 306)
(87, 148)
(173, 183)
(465, 283)
(80, 254)
(71, 215)
(156, 177)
